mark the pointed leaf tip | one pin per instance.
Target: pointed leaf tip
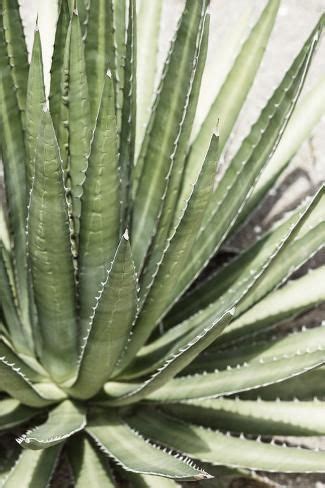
(126, 235)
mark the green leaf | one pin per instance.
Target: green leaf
(167, 222)
(119, 28)
(234, 380)
(63, 422)
(260, 271)
(59, 72)
(4, 231)
(16, 48)
(51, 258)
(304, 119)
(33, 468)
(177, 361)
(59, 90)
(21, 362)
(220, 449)
(13, 413)
(238, 181)
(99, 50)
(254, 417)
(88, 466)
(83, 7)
(128, 121)
(110, 325)
(100, 219)
(308, 386)
(293, 248)
(176, 254)
(263, 350)
(147, 481)
(35, 102)
(9, 303)
(232, 95)
(14, 160)
(136, 454)
(79, 119)
(302, 230)
(163, 129)
(290, 300)
(308, 238)
(14, 382)
(148, 29)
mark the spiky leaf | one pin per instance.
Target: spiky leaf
(219, 449)
(63, 422)
(136, 454)
(100, 220)
(110, 324)
(163, 130)
(52, 267)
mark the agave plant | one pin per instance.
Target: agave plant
(121, 352)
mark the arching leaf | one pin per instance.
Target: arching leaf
(121, 443)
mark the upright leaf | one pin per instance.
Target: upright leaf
(51, 259)
(176, 254)
(83, 7)
(9, 303)
(163, 130)
(119, 28)
(165, 226)
(14, 161)
(110, 324)
(36, 99)
(99, 50)
(59, 90)
(232, 95)
(16, 48)
(148, 29)
(79, 119)
(240, 177)
(4, 231)
(128, 127)
(304, 119)
(58, 69)
(100, 219)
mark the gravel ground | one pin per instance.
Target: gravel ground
(296, 19)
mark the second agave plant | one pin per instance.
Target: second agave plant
(125, 358)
